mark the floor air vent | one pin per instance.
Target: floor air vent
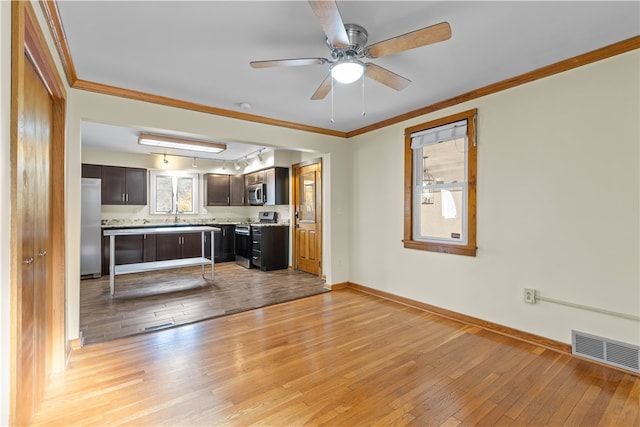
(615, 353)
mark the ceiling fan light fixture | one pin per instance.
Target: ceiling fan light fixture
(347, 71)
(180, 143)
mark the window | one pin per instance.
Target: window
(440, 185)
(173, 192)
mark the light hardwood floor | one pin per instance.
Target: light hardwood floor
(341, 358)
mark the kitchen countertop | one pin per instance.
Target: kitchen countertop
(167, 224)
(158, 230)
(181, 225)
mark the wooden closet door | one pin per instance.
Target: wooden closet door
(33, 167)
(43, 112)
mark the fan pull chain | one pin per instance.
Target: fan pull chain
(332, 121)
(363, 113)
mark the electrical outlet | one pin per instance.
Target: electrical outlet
(529, 296)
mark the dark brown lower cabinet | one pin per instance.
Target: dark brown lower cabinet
(223, 243)
(129, 250)
(177, 246)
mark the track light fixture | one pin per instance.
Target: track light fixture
(194, 164)
(165, 161)
(236, 165)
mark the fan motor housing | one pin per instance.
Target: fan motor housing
(358, 37)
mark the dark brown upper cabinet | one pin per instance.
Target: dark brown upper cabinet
(120, 185)
(236, 188)
(218, 191)
(277, 186)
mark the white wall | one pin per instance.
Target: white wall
(558, 190)
(336, 155)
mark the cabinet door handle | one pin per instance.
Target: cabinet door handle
(127, 198)
(42, 253)
(123, 197)
(28, 260)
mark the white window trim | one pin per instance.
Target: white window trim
(173, 174)
(419, 186)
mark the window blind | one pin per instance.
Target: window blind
(438, 134)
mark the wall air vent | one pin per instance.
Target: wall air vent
(610, 352)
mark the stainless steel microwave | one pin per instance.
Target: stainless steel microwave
(256, 194)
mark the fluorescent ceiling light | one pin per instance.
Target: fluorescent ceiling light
(180, 143)
(347, 71)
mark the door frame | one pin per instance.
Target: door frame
(295, 177)
(28, 40)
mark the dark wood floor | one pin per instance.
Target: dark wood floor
(148, 301)
(342, 358)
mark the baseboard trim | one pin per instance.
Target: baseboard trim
(74, 344)
(77, 343)
(338, 286)
(468, 320)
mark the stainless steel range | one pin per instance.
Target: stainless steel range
(243, 245)
(244, 240)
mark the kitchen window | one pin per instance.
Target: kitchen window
(440, 185)
(173, 192)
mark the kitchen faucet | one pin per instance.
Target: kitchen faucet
(177, 218)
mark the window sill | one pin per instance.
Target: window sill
(469, 250)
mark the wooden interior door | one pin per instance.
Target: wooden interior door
(307, 194)
(37, 152)
(33, 172)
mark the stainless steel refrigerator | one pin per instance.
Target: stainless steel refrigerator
(91, 232)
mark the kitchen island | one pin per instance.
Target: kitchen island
(115, 270)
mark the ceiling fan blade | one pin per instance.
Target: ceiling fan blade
(288, 62)
(329, 16)
(422, 37)
(386, 77)
(323, 90)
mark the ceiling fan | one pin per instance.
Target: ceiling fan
(347, 43)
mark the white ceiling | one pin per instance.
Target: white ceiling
(199, 51)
